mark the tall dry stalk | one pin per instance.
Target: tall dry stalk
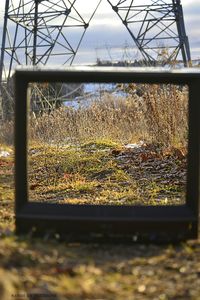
(158, 113)
(155, 113)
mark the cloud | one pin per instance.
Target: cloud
(191, 12)
(186, 3)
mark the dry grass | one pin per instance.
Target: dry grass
(156, 114)
(48, 268)
(159, 115)
(6, 132)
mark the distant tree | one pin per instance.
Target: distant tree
(50, 96)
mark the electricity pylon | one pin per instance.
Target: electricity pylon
(37, 32)
(157, 28)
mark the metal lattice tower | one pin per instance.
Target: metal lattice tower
(37, 32)
(157, 28)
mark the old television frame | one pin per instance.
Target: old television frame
(108, 222)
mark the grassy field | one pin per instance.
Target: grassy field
(85, 159)
(104, 172)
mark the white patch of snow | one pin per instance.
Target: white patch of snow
(4, 153)
(135, 146)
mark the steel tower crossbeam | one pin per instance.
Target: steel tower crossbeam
(38, 33)
(156, 27)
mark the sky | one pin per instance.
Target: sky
(107, 32)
